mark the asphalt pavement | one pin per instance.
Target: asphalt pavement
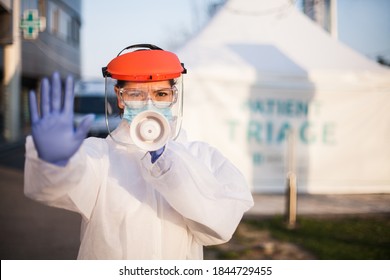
(30, 230)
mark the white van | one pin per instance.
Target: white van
(90, 98)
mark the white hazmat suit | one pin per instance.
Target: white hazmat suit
(132, 209)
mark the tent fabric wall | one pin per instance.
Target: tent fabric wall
(265, 82)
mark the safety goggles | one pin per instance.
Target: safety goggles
(160, 97)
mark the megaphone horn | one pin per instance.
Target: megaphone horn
(150, 130)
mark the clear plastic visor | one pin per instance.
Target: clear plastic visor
(128, 97)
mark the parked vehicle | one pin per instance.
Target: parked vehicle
(90, 98)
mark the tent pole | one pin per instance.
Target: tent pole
(291, 185)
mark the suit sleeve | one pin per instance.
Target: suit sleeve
(204, 187)
(73, 187)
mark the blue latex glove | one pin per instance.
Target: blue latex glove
(53, 133)
(156, 154)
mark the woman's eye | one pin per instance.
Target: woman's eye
(162, 93)
(134, 94)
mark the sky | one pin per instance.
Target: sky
(110, 26)
(365, 26)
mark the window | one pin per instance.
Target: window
(62, 25)
(53, 18)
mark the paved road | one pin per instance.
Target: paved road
(30, 230)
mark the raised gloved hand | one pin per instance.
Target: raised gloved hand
(54, 135)
(156, 154)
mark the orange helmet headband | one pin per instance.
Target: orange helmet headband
(144, 65)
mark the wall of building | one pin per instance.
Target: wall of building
(57, 48)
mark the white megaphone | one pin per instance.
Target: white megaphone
(150, 130)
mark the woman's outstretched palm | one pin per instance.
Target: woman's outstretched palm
(55, 137)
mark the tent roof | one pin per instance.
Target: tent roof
(262, 39)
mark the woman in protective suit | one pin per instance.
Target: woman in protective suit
(144, 192)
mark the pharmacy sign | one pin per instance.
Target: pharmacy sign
(32, 24)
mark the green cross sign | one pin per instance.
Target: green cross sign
(32, 24)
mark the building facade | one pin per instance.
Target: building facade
(54, 45)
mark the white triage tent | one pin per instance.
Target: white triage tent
(275, 93)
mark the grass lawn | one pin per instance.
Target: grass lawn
(363, 237)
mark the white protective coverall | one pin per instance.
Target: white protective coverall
(133, 209)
